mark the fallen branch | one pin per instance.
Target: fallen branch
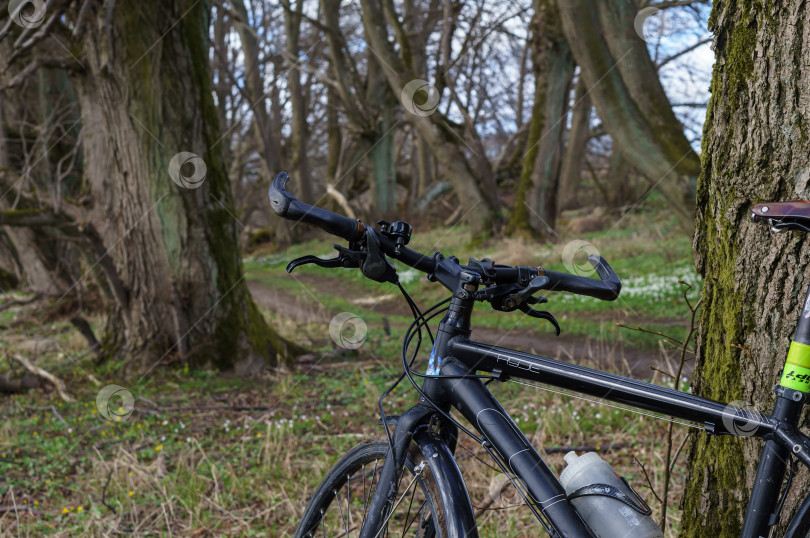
(340, 199)
(9, 385)
(20, 508)
(36, 370)
(23, 302)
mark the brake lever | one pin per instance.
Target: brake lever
(345, 258)
(542, 314)
(309, 258)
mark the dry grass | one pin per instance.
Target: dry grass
(205, 455)
(189, 471)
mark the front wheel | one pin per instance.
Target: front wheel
(339, 505)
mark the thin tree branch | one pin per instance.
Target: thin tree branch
(680, 53)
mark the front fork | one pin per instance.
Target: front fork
(791, 395)
(455, 322)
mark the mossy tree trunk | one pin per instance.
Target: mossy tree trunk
(535, 207)
(146, 95)
(756, 147)
(574, 157)
(624, 87)
(383, 166)
(380, 145)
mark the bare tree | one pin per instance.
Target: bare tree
(623, 84)
(170, 254)
(553, 67)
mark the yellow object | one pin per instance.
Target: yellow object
(796, 374)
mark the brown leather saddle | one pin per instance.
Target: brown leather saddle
(781, 216)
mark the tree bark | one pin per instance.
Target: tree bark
(299, 137)
(535, 205)
(624, 87)
(755, 149)
(146, 95)
(334, 136)
(571, 172)
(381, 144)
(437, 131)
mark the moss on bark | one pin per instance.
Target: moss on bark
(519, 219)
(179, 254)
(753, 151)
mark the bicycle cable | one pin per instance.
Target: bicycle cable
(407, 370)
(418, 315)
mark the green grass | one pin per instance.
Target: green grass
(649, 263)
(216, 455)
(232, 470)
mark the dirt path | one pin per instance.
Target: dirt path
(303, 307)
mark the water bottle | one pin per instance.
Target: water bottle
(606, 502)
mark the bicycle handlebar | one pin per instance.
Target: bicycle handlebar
(607, 288)
(289, 207)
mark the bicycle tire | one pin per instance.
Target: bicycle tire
(353, 468)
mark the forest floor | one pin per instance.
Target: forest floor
(205, 454)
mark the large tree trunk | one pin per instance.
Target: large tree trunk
(146, 96)
(535, 206)
(299, 137)
(624, 87)
(755, 148)
(381, 143)
(571, 171)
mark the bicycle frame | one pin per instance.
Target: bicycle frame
(452, 383)
(454, 387)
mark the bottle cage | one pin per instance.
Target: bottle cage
(606, 490)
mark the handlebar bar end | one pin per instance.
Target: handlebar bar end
(280, 199)
(608, 276)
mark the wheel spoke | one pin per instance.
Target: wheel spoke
(370, 491)
(417, 472)
(348, 502)
(414, 518)
(323, 523)
(408, 513)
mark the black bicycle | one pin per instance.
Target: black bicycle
(410, 481)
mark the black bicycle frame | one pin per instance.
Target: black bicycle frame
(455, 387)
